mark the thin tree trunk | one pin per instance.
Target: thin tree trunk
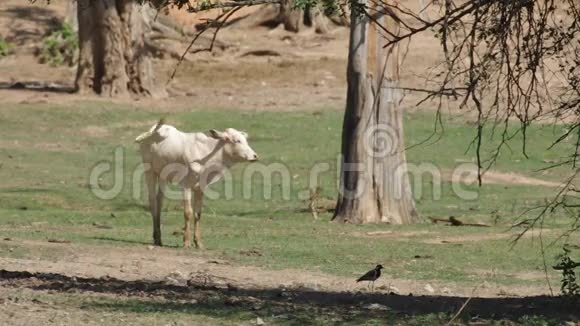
(374, 183)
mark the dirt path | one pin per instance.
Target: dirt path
(497, 177)
(140, 285)
(176, 266)
(295, 305)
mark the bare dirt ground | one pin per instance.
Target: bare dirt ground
(37, 287)
(277, 304)
(257, 68)
(164, 264)
(496, 177)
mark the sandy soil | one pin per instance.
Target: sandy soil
(304, 71)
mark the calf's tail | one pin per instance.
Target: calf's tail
(147, 135)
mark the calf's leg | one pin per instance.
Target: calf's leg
(159, 206)
(151, 180)
(187, 211)
(198, 196)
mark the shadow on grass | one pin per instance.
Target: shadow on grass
(127, 205)
(129, 241)
(290, 305)
(25, 190)
(124, 240)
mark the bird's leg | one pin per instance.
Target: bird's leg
(373, 287)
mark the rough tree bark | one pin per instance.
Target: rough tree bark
(311, 18)
(113, 60)
(374, 184)
(291, 19)
(71, 15)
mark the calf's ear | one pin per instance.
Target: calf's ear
(245, 134)
(214, 133)
(218, 135)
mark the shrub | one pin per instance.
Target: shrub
(60, 46)
(570, 285)
(5, 47)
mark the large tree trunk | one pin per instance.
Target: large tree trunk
(84, 81)
(291, 18)
(113, 60)
(374, 185)
(311, 18)
(71, 16)
(296, 20)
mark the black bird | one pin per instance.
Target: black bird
(372, 276)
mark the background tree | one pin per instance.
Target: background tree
(298, 15)
(374, 185)
(113, 59)
(510, 62)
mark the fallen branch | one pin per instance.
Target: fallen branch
(58, 241)
(38, 86)
(455, 222)
(205, 6)
(261, 53)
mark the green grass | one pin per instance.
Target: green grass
(47, 152)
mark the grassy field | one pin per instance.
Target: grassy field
(47, 153)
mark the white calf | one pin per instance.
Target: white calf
(192, 160)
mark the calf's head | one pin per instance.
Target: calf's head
(236, 144)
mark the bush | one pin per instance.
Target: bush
(5, 47)
(60, 46)
(569, 282)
